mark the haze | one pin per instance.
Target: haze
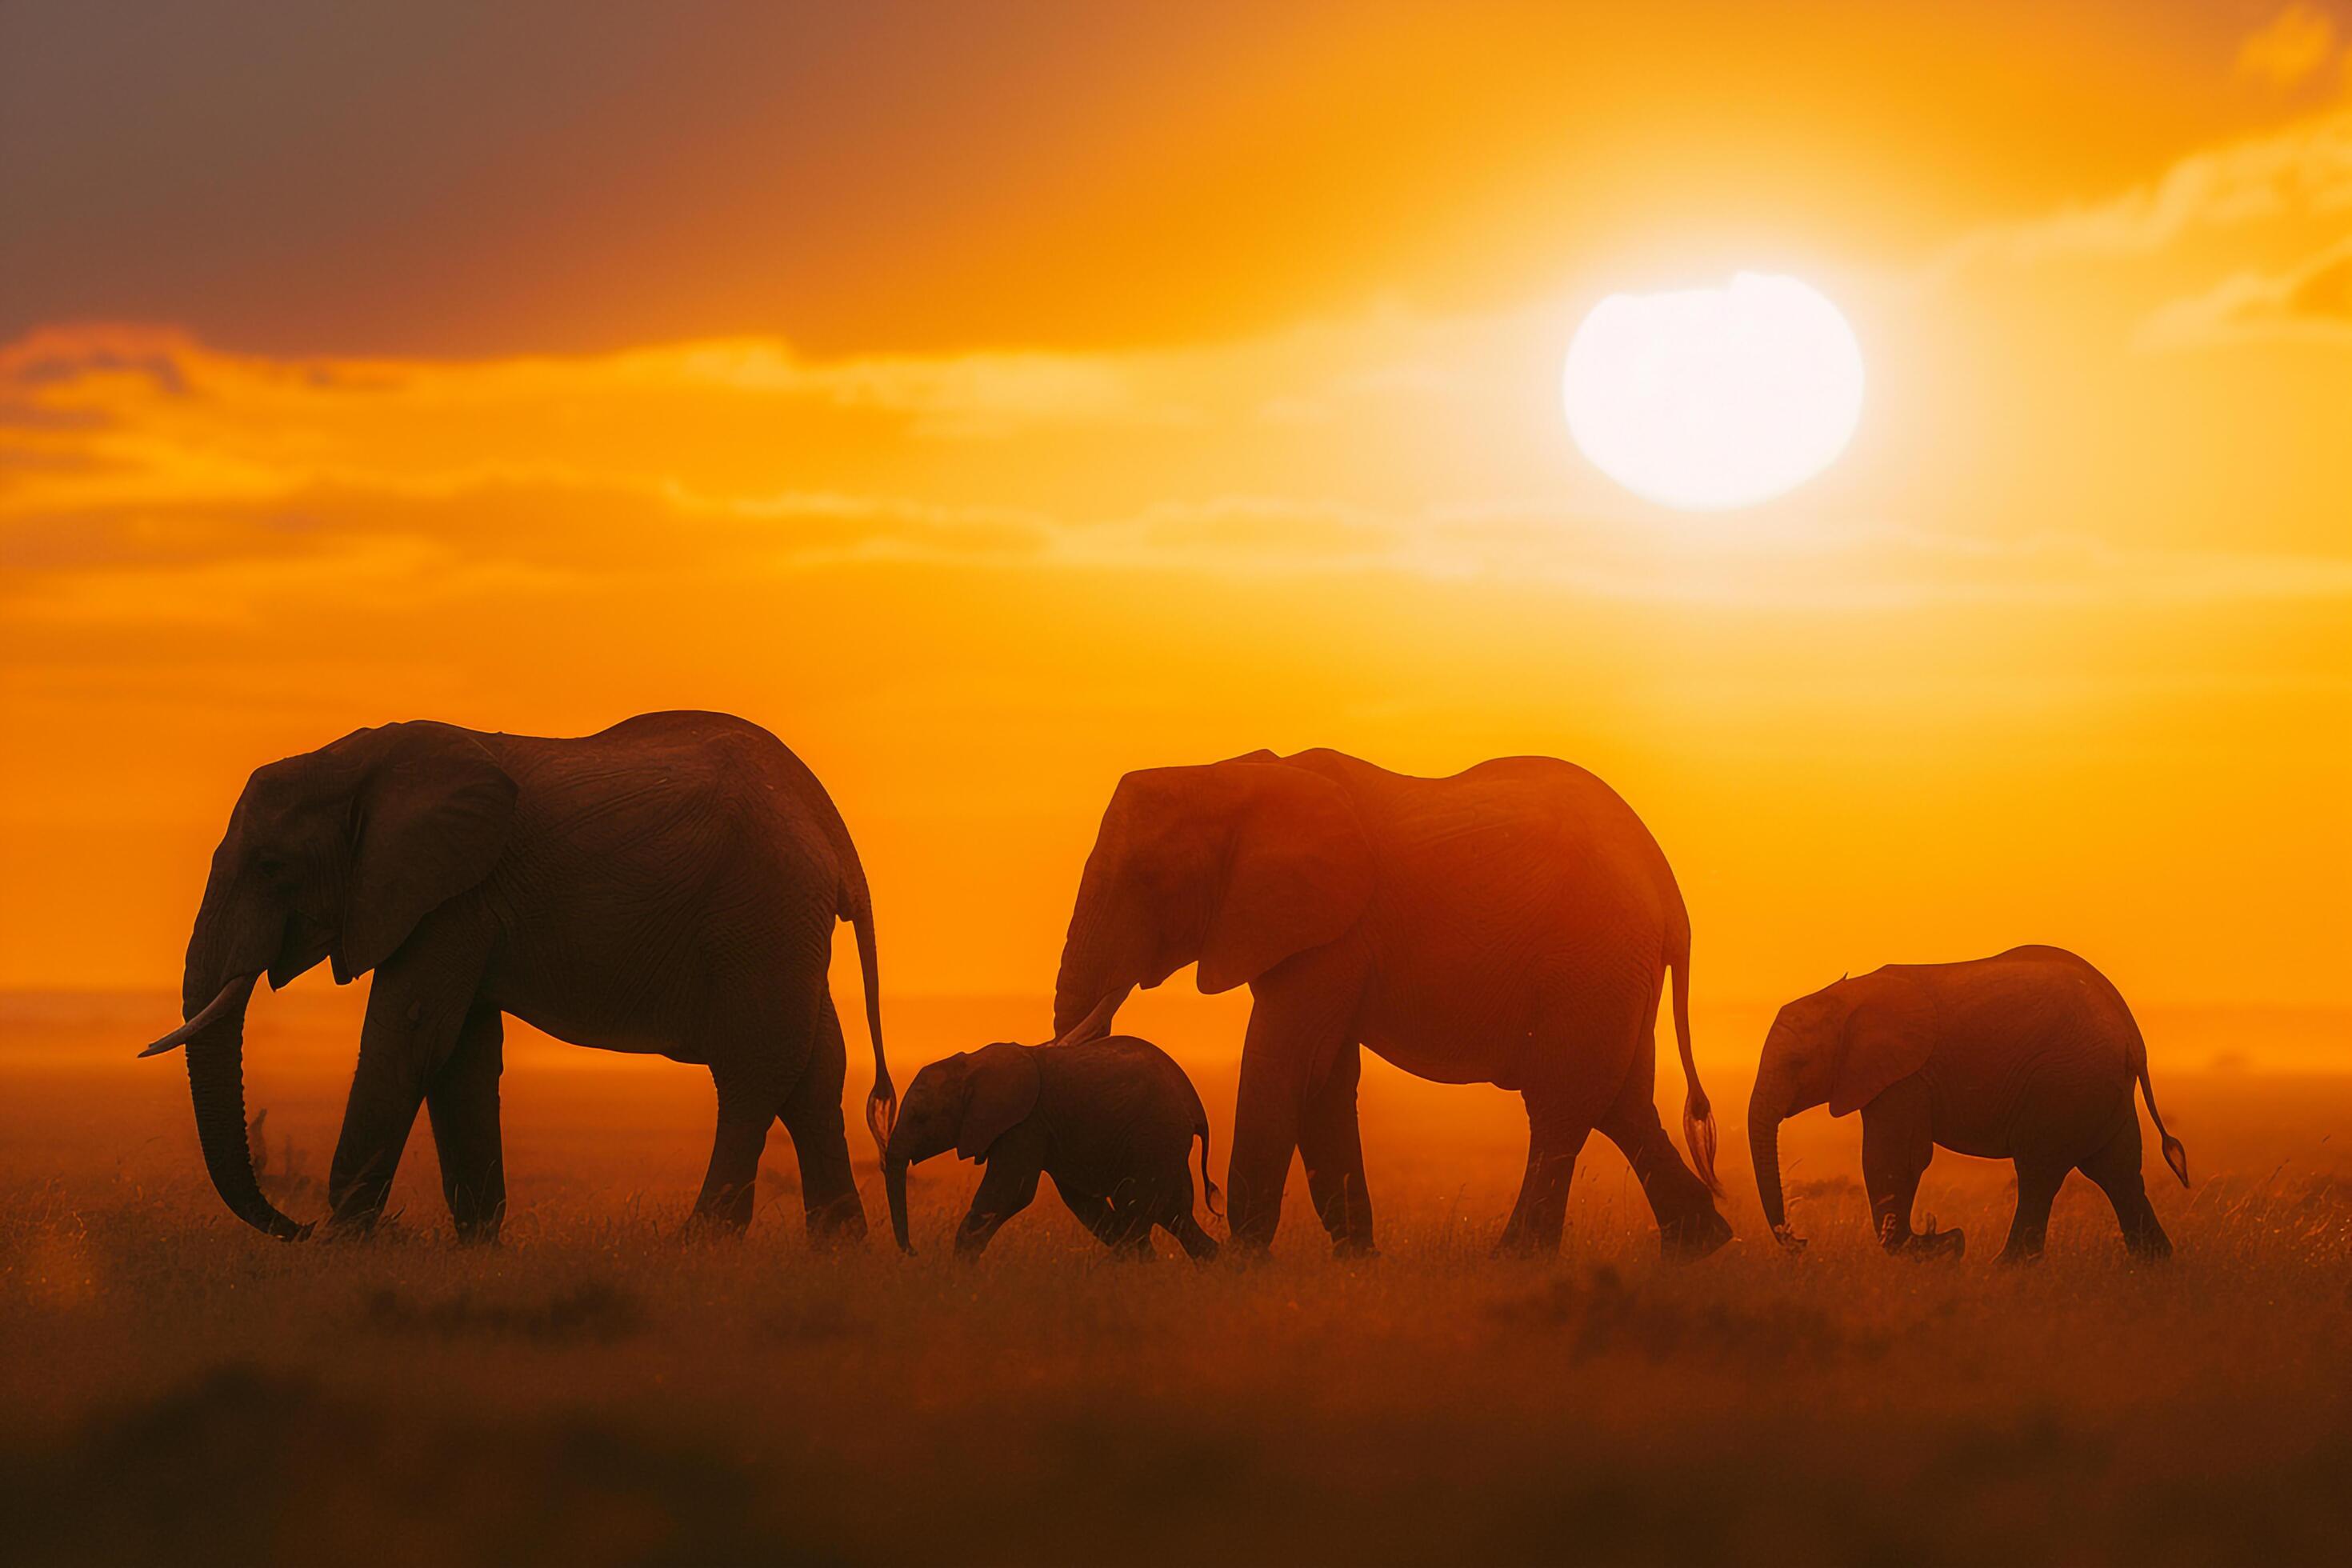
(985, 441)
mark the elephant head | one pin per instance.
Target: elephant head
(1842, 1046)
(1234, 865)
(336, 854)
(965, 1103)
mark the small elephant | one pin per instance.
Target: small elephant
(2028, 1055)
(1111, 1121)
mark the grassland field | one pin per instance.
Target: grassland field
(598, 1390)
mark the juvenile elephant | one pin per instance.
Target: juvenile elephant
(669, 885)
(2028, 1055)
(1512, 924)
(1111, 1121)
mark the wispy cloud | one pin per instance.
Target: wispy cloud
(206, 563)
(153, 479)
(2291, 47)
(2308, 303)
(2302, 169)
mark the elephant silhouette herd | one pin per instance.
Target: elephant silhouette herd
(671, 885)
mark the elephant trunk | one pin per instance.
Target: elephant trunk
(1764, 1149)
(1082, 974)
(1086, 975)
(1099, 964)
(215, 988)
(216, 1087)
(894, 1182)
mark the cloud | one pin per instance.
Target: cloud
(2290, 48)
(151, 479)
(2309, 303)
(2301, 171)
(216, 563)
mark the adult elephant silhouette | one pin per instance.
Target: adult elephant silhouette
(669, 885)
(2028, 1055)
(1508, 925)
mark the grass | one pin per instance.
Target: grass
(599, 1391)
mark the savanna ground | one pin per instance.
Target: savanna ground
(173, 1388)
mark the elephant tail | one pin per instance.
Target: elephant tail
(2174, 1154)
(1698, 1114)
(882, 1104)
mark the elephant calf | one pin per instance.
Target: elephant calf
(2029, 1056)
(1110, 1120)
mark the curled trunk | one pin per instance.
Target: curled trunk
(216, 1086)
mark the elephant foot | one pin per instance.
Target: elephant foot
(1933, 1245)
(1694, 1237)
(1346, 1248)
(839, 1226)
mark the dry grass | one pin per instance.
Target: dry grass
(597, 1391)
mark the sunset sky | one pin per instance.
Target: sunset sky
(990, 400)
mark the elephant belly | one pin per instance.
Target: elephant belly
(1440, 1063)
(1579, 1023)
(600, 1031)
(1108, 1166)
(1557, 973)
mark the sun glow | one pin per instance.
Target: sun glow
(1706, 399)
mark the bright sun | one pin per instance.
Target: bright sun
(1710, 399)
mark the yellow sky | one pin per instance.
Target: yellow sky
(1204, 398)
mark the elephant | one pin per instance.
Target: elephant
(1110, 1120)
(1511, 924)
(2027, 1056)
(669, 885)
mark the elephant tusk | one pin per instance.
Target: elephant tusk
(233, 994)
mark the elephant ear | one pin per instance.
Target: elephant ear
(1888, 1036)
(430, 818)
(1003, 1092)
(1298, 874)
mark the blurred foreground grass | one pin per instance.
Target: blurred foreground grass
(597, 1391)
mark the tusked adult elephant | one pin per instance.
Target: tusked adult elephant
(669, 885)
(1511, 924)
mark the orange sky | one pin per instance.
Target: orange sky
(992, 407)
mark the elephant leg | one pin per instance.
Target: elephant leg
(417, 1007)
(1689, 1226)
(1006, 1188)
(1557, 1128)
(1177, 1221)
(1292, 1025)
(747, 1105)
(811, 1115)
(462, 1099)
(2116, 1169)
(1897, 1141)
(2038, 1181)
(1092, 1211)
(1332, 1147)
